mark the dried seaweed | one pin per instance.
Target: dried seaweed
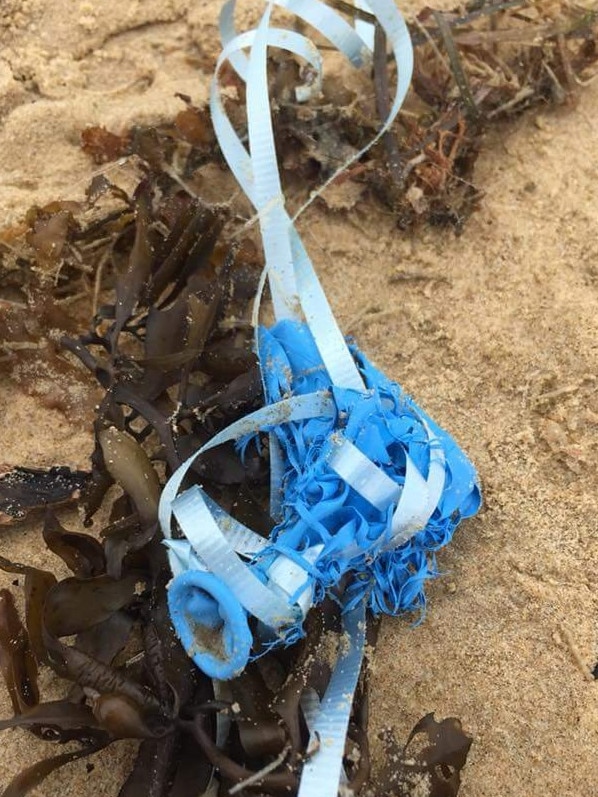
(172, 354)
(429, 763)
(24, 490)
(171, 350)
(475, 68)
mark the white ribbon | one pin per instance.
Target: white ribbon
(214, 540)
(322, 772)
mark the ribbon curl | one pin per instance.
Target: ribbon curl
(365, 487)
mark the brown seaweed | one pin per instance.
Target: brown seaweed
(24, 490)
(430, 761)
(81, 553)
(475, 67)
(18, 664)
(31, 777)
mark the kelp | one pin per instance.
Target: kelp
(162, 699)
(27, 490)
(19, 667)
(171, 348)
(432, 767)
(81, 553)
(176, 292)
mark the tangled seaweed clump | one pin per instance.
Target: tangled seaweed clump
(475, 69)
(171, 348)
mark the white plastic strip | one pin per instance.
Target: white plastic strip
(334, 352)
(204, 534)
(436, 472)
(310, 706)
(363, 28)
(322, 772)
(397, 33)
(320, 16)
(258, 172)
(267, 190)
(181, 557)
(296, 408)
(236, 154)
(332, 26)
(276, 460)
(290, 577)
(242, 539)
(411, 513)
(420, 496)
(360, 473)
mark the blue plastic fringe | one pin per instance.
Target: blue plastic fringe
(320, 508)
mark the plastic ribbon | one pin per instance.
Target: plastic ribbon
(329, 721)
(364, 485)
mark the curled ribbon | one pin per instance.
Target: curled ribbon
(364, 485)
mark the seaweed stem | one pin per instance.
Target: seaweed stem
(456, 66)
(383, 104)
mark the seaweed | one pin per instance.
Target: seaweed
(476, 68)
(18, 664)
(25, 490)
(171, 349)
(432, 767)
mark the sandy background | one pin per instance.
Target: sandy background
(496, 337)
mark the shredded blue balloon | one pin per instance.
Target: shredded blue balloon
(319, 508)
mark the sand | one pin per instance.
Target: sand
(496, 338)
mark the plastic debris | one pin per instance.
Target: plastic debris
(365, 487)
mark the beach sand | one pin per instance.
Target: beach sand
(493, 332)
